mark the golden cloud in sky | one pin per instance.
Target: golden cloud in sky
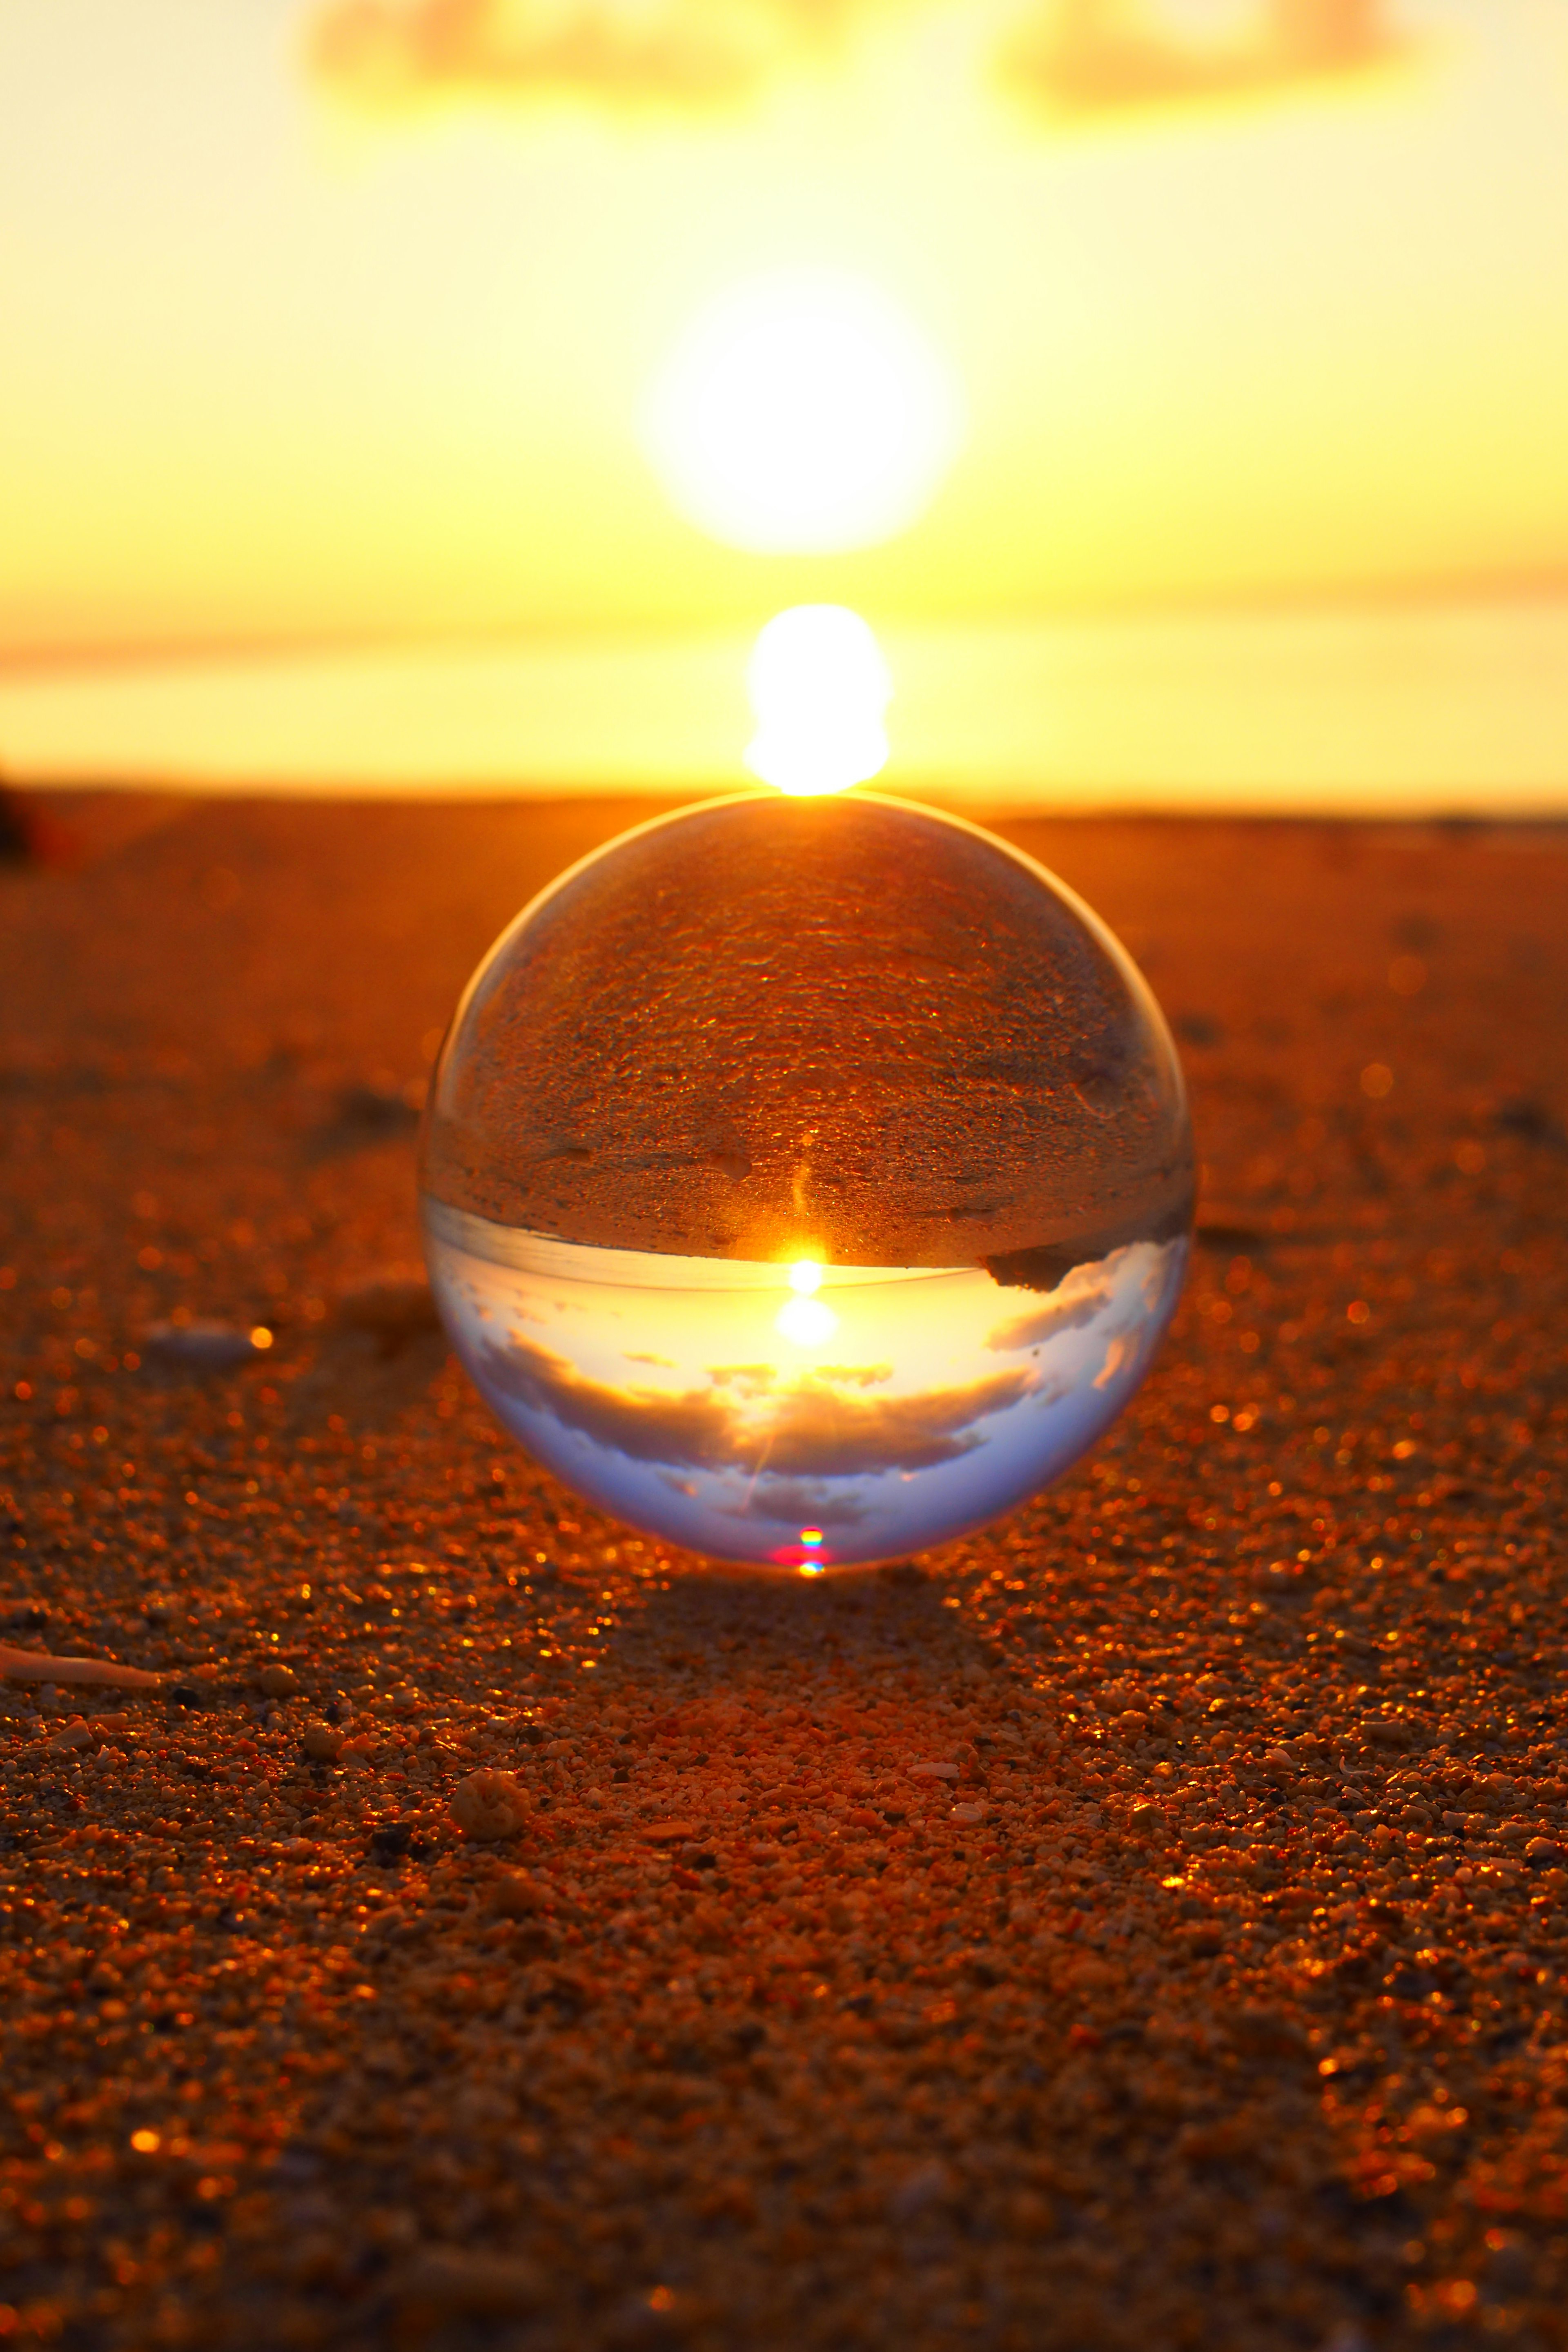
(689, 54)
(1081, 57)
(1248, 304)
(1099, 57)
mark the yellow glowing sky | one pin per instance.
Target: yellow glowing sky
(283, 364)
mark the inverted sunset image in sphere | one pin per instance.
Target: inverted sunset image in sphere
(807, 1180)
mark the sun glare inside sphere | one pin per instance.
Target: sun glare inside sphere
(802, 413)
(819, 688)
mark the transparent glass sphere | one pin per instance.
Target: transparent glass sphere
(807, 1181)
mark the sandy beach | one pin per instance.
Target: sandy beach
(1143, 1925)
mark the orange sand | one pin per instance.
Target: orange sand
(1211, 1993)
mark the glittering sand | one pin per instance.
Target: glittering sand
(1143, 1927)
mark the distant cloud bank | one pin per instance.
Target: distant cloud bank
(1077, 57)
(1106, 57)
(690, 55)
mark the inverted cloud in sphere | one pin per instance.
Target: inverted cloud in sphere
(801, 1502)
(821, 1431)
(1106, 56)
(811, 1429)
(1075, 1304)
(1113, 1294)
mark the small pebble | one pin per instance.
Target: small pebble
(930, 2184)
(490, 1804)
(203, 1347)
(380, 1108)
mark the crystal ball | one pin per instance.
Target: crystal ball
(807, 1181)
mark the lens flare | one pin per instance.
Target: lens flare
(820, 689)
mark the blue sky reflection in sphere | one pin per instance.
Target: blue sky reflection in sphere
(915, 1404)
(806, 1178)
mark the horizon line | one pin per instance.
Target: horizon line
(1541, 585)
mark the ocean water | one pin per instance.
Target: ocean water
(1424, 706)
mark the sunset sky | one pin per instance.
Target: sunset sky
(332, 324)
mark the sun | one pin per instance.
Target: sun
(802, 413)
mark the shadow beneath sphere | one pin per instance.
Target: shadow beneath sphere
(717, 1627)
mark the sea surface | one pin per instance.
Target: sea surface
(1424, 707)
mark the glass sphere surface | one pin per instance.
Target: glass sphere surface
(807, 1181)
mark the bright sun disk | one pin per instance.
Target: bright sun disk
(802, 413)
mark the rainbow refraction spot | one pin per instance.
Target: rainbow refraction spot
(807, 1181)
(809, 1557)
